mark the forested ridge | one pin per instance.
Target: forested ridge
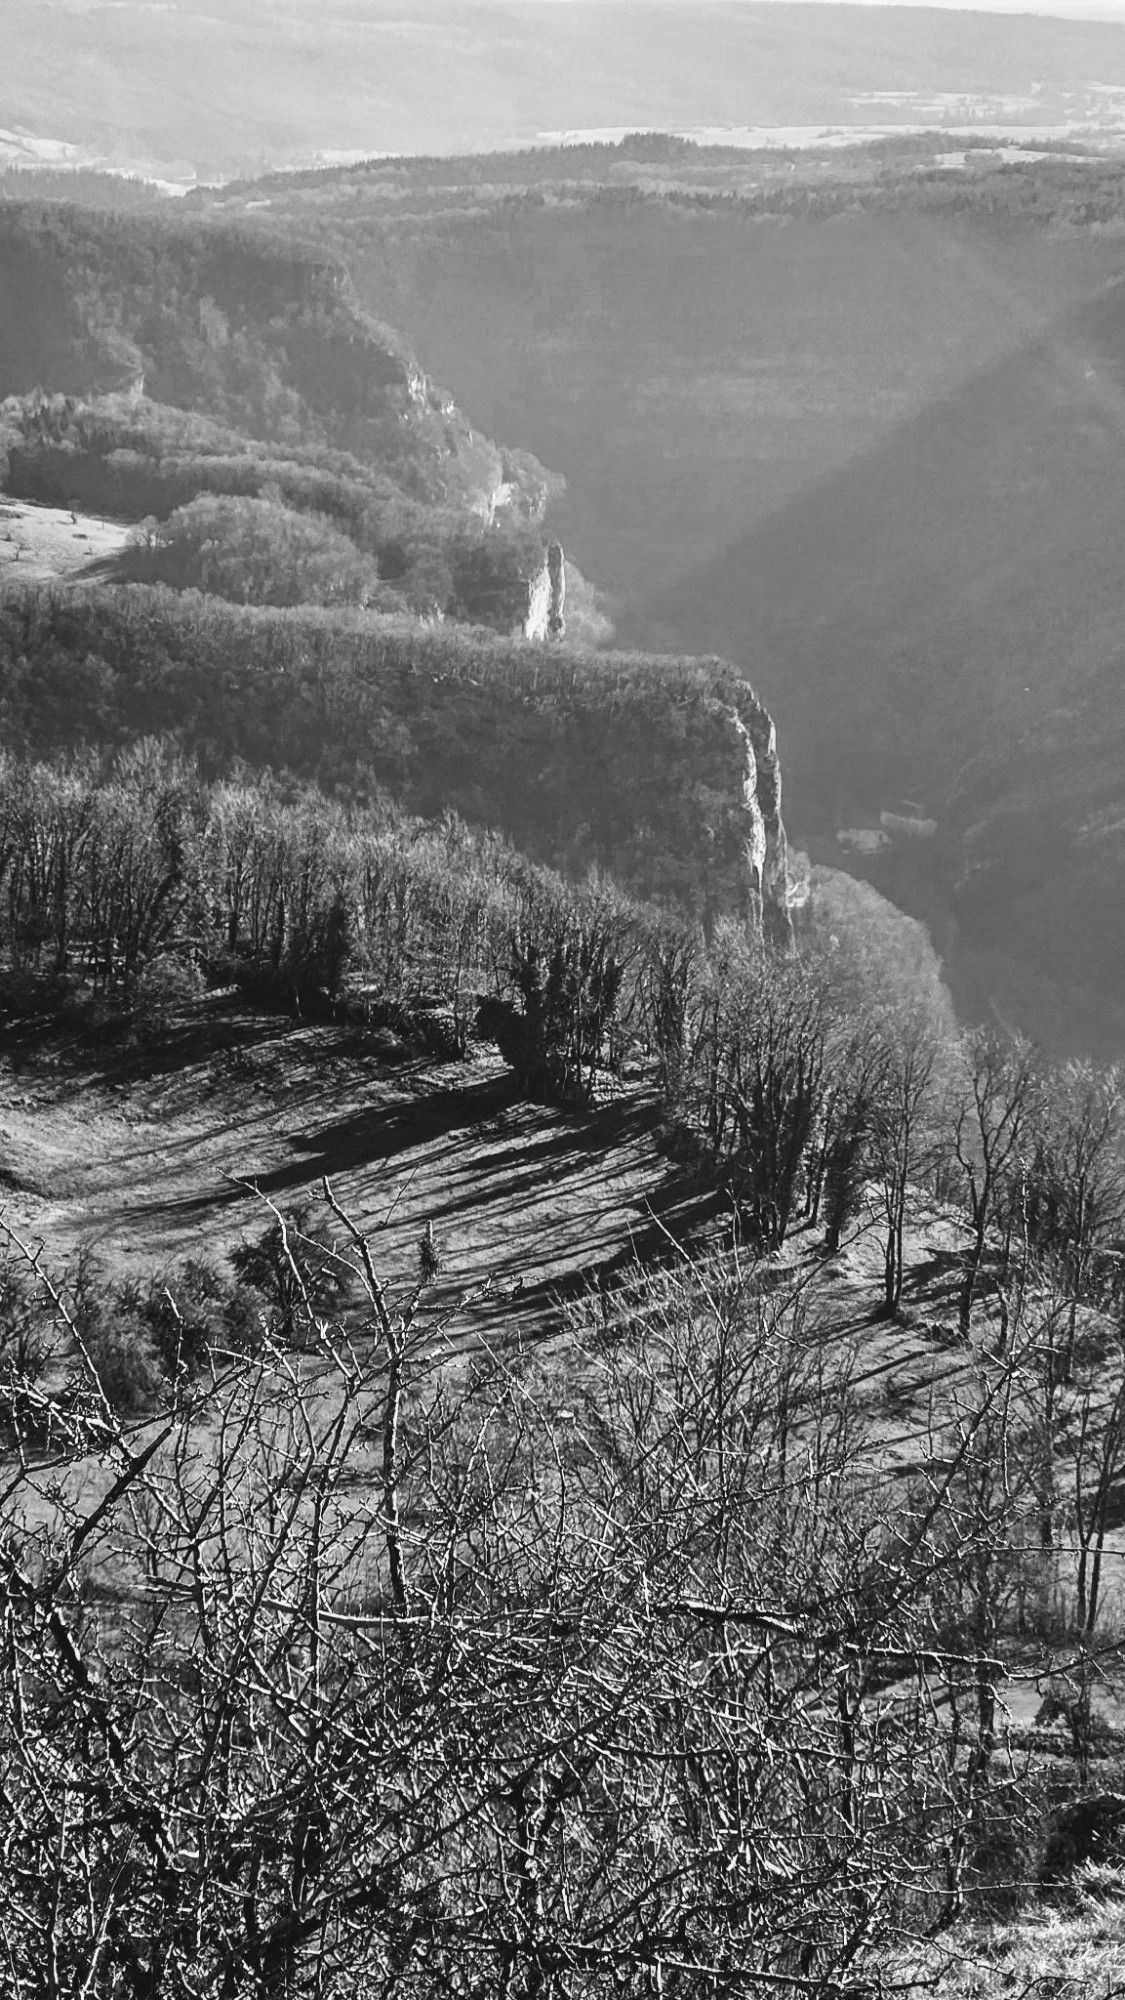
(265, 338)
(148, 363)
(627, 761)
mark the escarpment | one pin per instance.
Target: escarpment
(766, 847)
(663, 772)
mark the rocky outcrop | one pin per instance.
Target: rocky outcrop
(767, 852)
(537, 607)
(544, 615)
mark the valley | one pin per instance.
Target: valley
(562, 1138)
(901, 518)
(188, 91)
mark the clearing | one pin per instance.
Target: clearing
(40, 544)
(145, 1153)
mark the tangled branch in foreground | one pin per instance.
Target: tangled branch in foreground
(367, 1668)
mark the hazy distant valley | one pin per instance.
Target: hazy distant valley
(189, 90)
(852, 420)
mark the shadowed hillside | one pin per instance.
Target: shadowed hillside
(691, 370)
(944, 620)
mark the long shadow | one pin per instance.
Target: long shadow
(681, 1220)
(603, 1132)
(362, 1139)
(117, 1056)
(935, 1276)
(386, 1130)
(367, 1138)
(537, 1170)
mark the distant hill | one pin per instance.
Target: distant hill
(224, 86)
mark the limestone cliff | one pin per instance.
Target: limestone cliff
(766, 848)
(556, 592)
(663, 772)
(543, 612)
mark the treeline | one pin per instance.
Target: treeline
(1062, 192)
(133, 886)
(127, 887)
(1069, 189)
(619, 760)
(87, 187)
(806, 1089)
(188, 479)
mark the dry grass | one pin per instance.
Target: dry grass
(43, 544)
(1075, 1952)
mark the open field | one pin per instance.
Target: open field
(138, 1154)
(40, 544)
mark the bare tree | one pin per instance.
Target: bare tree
(1000, 1073)
(899, 1143)
(378, 1668)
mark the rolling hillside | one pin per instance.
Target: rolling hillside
(236, 85)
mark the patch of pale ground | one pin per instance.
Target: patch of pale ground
(1071, 1952)
(40, 544)
(155, 1154)
(148, 1160)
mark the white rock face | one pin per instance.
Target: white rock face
(913, 826)
(546, 599)
(535, 623)
(863, 839)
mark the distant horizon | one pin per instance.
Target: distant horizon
(1097, 11)
(214, 89)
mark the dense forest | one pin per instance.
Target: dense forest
(153, 464)
(264, 338)
(147, 365)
